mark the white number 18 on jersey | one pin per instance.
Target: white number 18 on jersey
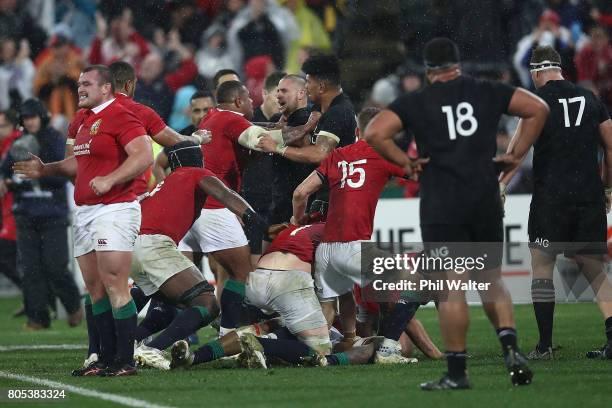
(465, 113)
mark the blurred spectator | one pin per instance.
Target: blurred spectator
(43, 12)
(406, 79)
(262, 28)
(594, 65)
(79, 17)
(601, 12)
(199, 105)
(163, 73)
(571, 12)
(16, 73)
(55, 80)
(16, 22)
(214, 54)
(120, 42)
(41, 216)
(548, 32)
(152, 89)
(8, 234)
(188, 20)
(229, 12)
(313, 33)
(180, 116)
(256, 70)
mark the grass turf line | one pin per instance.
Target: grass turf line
(571, 380)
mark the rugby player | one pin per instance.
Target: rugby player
(355, 175)
(454, 121)
(111, 149)
(568, 206)
(160, 270)
(288, 174)
(125, 86)
(282, 283)
(218, 232)
(336, 125)
(256, 186)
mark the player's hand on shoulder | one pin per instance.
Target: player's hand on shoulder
(30, 169)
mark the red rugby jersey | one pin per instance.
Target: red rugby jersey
(223, 155)
(299, 241)
(99, 149)
(150, 120)
(356, 175)
(174, 204)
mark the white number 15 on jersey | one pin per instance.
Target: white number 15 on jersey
(349, 169)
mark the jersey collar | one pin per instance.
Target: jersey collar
(101, 107)
(225, 110)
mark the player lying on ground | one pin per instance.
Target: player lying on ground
(370, 315)
(160, 270)
(460, 199)
(569, 205)
(281, 283)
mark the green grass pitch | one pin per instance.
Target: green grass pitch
(569, 381)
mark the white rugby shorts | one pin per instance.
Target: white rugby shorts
(214, 230)
(106, 227)
(337, 269)
(156, 259)
(290, 294)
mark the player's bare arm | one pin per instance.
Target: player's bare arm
(605, 131)
(35, 168)
(160, 166)
(294, 134)
(312, 154)
(300, 196)
(533, 111)
(169, 137)
(140, 157)
(379, 134)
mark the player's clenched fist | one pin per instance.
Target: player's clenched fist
(31, 169)
(101, 185)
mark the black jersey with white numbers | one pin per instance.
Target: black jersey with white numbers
(565, 167)
(455, 124)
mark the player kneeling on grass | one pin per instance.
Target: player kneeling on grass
(282, 283)
(159, 267)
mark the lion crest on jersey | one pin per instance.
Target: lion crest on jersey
(95, 127)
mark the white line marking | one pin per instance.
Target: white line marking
(18, 347)
(127, 401)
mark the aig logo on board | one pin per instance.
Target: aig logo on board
(542, 242)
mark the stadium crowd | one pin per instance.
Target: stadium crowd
(262, 73)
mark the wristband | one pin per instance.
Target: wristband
(70, 141)
(608, 190)
(502, 188)
(198, 138)
(281, 149)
